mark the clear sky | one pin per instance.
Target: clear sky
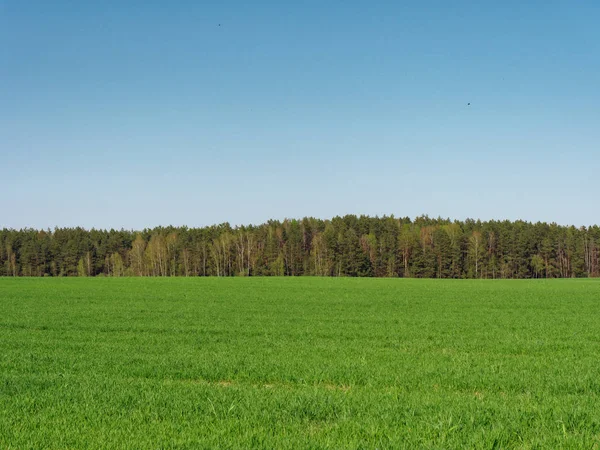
(142, 113)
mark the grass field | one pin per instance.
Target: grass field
(299, 362)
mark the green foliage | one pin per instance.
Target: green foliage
(298, 363)
(348, 246)
(81, 268)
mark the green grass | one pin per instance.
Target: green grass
(299, 363)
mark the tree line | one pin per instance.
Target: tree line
(343, 246)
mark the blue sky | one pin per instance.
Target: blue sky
(135, 114)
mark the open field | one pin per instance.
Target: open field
(299, 362)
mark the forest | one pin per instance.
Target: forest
(348, 246)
